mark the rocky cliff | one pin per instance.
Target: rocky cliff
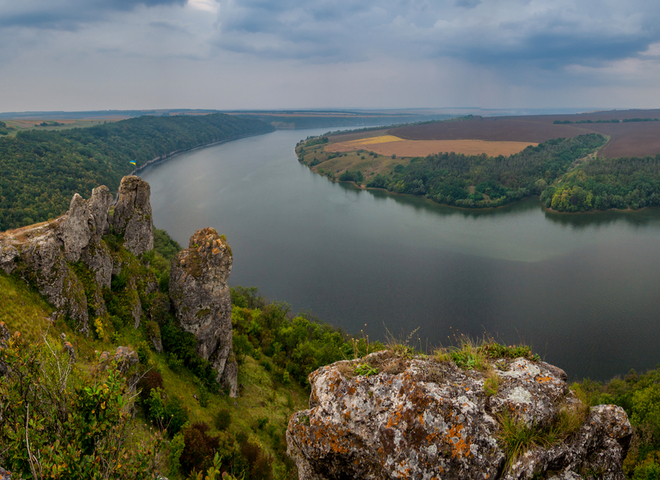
(202, 301)
(395, 417)
(73, 259)
(43, 254)
(132, 216)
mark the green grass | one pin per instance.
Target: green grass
(21, 308)
(516, 437)
(473, 355)
(338, 163)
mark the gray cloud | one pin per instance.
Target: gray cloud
(550, 34)
(468, 3)
(68, 14)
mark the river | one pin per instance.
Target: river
(583, 290)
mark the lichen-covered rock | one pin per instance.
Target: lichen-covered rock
(4, 474)
(125, 358)
(99, 205)
(74, 231)
(424, 419)
(8, 256)
(84, 223)
(132, 215)
(43, 264)
(202, 301)
(98, 259)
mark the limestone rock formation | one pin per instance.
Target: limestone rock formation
(85, 221)
(42, 254)
(423, 419)
(202, 301)
(132, 215)
(37, 255)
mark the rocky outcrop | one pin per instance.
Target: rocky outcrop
(423, 419)
(202, 301)
(42, 254)
(132, 215)
(84, 223)
(70, 264)
(38, 256)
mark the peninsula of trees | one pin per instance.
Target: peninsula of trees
(581, 170)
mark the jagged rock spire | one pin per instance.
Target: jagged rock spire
(202, 301)
(132, 215)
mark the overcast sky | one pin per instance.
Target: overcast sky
(267, 54)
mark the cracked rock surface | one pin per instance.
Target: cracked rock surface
(419, 418)
(202, 301)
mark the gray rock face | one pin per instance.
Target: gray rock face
(132, 216)
(74, 231)
(99, 205)
(41, 253)
(40, 260)
(84, 223)
(98, 259)
(424, 419)
(202, 301)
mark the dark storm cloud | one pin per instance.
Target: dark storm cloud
(67, 14)
(491, 32)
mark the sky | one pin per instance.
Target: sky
(291, 54)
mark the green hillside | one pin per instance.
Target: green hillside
(41, 170)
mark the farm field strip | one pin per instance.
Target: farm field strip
(393, 145)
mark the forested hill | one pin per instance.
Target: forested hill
(40, 171)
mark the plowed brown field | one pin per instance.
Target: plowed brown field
(389, 145)
(626, 139)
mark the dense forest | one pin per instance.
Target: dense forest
(565, 173)
(605, 183)
(483, 181)
(41, 170)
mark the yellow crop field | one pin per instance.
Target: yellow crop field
(392, 145)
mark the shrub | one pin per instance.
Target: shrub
(242, 347)
(199, 447)
(259, 462)
(167, 412)
(223, 419)
(143, 352)
(77, 425)
(151, 380)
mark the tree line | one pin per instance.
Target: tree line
(41, 170)
(482, 181)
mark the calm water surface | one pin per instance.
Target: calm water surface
(583, 290)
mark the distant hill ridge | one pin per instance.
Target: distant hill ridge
(42, 170)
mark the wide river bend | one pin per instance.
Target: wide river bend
(583, 290)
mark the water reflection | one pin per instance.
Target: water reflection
(641, 217)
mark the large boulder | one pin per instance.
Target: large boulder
(202, 301)
(425, 418)
(132, 215)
